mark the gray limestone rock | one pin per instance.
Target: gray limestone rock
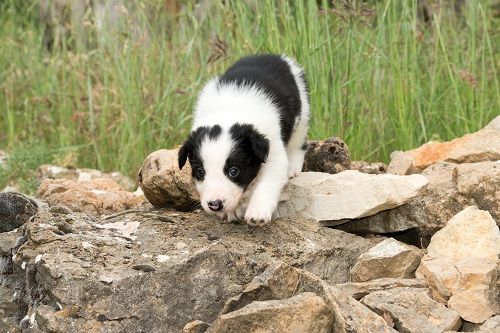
(77, 270)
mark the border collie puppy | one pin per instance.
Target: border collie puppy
(248, 135)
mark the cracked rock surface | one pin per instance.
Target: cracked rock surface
(155, 271)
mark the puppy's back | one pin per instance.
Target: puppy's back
(272, 75)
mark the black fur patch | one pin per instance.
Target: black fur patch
(191, 147)
(249, 152)
(214, 132)
(273, 75)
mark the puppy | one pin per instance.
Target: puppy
(248, 137)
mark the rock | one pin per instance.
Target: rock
(305, 312)
(8, 305)
(281, 281)
(374, 168)
(466, 286)
(491, 325)
(7, 242)
(412, 310)
(358, 290)
(462, 265)
(470, 233)
(15, 210)
(8, 326)
(387, 259)
(193, 264)
(332, 199)
(96, 196)
(451, 188)
(164, 184)
(494, 124)
(196, 326)
(50, 171)
(330, 156)
(352, 316)
(320, 196)
(483, 145)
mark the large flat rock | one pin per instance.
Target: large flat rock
(452, 187)
(333, 199)
(327, 198)
(155, 271)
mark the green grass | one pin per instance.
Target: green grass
(380, 77)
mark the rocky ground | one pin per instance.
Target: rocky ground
(354, 249)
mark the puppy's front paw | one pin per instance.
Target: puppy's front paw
(292, 173)
(258, 215)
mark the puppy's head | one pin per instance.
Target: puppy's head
(224, 163)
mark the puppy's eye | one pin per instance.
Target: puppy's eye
(233, 172)
(200, 173)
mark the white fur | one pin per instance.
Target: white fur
(294, 149)
(216, 185)
(226, 105)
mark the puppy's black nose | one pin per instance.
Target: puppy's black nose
(215, 205)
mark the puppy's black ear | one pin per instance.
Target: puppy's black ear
(184, 152)
(260, 145)
(250, 136)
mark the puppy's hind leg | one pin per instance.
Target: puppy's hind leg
(296, 149)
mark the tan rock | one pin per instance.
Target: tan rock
(358, 290)
(305, 312)
(387, 259)
(97, 196)
(374, 168)
(441, 275)
(196, 326)
(494, 124)
(352, 316)
(280, 281)
(452, 187)
(164, 184)
(466, 286)
(412, 310)
(50, 171)
(477, 295)
(331, 199)
(470, 233)
(483, 145)
(461, 266)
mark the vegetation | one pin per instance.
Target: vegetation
(381, 77)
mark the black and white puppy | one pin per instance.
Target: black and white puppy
(248, 137)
